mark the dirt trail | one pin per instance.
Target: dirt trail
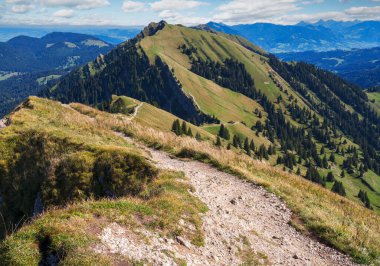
(242, 219)
(135, 111)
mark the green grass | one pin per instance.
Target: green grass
(75, 230)
(374, 98)
(45, 80)
(154, 117)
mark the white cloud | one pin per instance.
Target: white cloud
(133, 6)
(21, 8)
(64, 13)
(247, 11)
(178, 18)
(363, 12)
(80, 4)
(175, 4)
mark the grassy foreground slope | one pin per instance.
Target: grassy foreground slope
(336, 220)
(54, 156)
(70, 233)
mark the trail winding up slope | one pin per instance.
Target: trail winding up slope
(244, 223)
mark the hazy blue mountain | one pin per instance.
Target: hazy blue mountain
(55, 50)
(107, 34)
(320, 36)
(360, 66)
(28, 64)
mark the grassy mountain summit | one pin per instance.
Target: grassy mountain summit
(297, 116)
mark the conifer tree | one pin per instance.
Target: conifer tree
(298, 171)
(330, 177)
(189, 132)
(224, 133)
(218, 141)
(184, 128)
(338, 188)
(176, 128)
(332, 158)
(235, 141)
(252, 145)
(198, 136)
(325, 164)
(246, 147)
(342, 174)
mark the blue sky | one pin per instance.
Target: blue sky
(188, 12)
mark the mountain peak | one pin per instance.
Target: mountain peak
(152, 28)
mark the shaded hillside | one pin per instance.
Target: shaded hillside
(359, 66)
(28, 65)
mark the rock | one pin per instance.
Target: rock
(183, 242)
(295, 257)
(233, 201)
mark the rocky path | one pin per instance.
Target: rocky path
(244, 222)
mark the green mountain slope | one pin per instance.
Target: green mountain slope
(71, 156)
(301, 118)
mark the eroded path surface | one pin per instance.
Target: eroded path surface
(243, 221)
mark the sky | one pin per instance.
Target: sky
(187, 12)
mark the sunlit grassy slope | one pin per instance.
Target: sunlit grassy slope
(375, 100)
(340, 222)
(154, 117)
(233, 108)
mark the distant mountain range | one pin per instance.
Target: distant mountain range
(53, 51)
(111, 35)
(320, 36)
(360, 66)
(28, 64)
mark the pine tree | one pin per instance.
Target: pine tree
(229, 146)
(332, 158)
(252, 145)
(235, 141)
(325, 164)
(322, 150)
(189, 132)
(183, 128)
(330, 177)
(298, 171)
(224, 133)
(176, 128)
(338, 188)
(246, 147)
(198, 136)
(363, 196)
(342, 174)
(218, 141)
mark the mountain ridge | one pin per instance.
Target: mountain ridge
(303, 37)
(299, 107)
